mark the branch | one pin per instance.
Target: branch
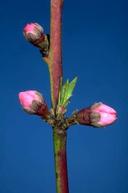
(55, 66)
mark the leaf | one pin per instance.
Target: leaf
(69, 90)
(66, 92)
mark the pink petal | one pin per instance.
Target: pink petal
(105, 108)
(107, 119)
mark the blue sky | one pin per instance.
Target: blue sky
(95, 44)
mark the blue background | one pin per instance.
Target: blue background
(95, 44)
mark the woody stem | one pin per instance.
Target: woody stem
(55, 66)
(59, 138)
(55, 69)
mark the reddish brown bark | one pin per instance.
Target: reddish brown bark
(55, 49)
(55, 68)
(62, 164)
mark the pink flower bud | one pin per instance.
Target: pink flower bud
(33, 102)
(33, 32)
(98, 115)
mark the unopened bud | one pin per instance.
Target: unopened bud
(34, 33)
(97, 115)
(33, 102)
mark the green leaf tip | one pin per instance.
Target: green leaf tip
(66, 91)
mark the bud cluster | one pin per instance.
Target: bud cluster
(97, 115)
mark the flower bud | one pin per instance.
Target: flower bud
(34, 33)
(33, 102)
(97, 115)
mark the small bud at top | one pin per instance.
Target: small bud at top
(98, 115)
(33, 102)
(33, 32)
